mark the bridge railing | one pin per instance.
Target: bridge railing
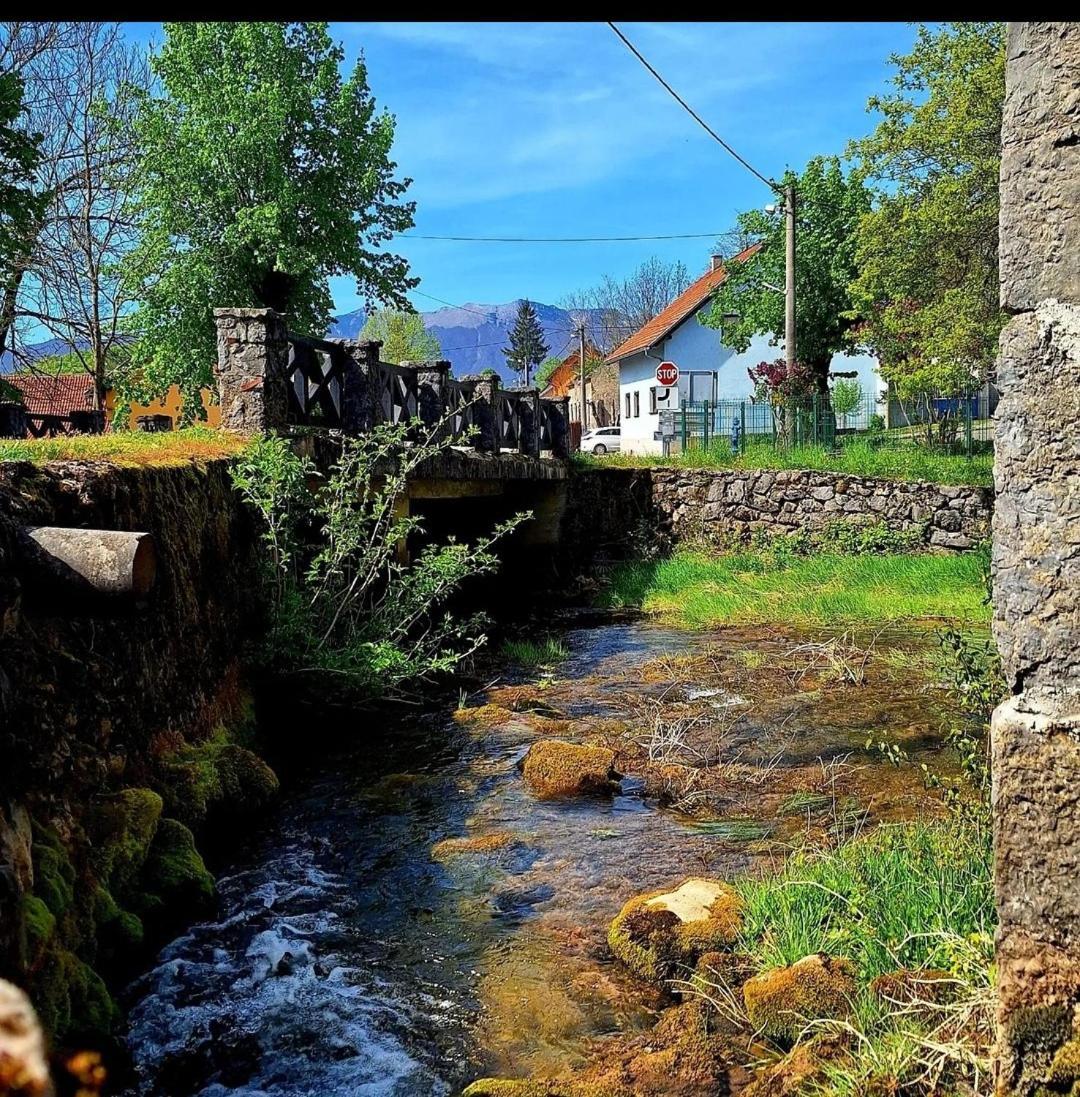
(271, 379)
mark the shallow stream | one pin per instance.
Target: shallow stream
(348, 959)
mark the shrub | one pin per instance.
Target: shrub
(342, 600)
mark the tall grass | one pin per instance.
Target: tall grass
(699, 591)
(535, 653)
(908, 895)
(125, 447)
(858, 458)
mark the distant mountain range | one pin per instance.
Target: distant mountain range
(472, 336)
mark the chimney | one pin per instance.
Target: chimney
(716, 261)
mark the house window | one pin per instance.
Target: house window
(637, 404)
(628, 405)
(652, 400)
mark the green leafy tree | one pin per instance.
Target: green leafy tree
(403, 336)
(21, 206)
(845, 396)
(527, 348)
(829, 204)
(262, 174)
(926, 292)
(546, 370)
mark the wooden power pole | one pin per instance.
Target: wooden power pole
(581, 368)
(789, 277)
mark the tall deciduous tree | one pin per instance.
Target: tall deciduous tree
(20, 206)
(617, 307)
(527, 348)
(263, 173)
(926, 293)
(403, 336)
(829, 204)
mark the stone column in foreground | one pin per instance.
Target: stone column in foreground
(1035, 732)
(252, 359)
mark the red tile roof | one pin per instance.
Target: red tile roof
(54, 395)
(687, 303)
(568, 372)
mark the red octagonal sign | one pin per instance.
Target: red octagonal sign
(667, 374)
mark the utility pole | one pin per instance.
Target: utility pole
(581, 367)
(789, 277)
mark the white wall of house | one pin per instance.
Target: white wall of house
(697, 351)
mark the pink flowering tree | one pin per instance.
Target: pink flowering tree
(783, 389)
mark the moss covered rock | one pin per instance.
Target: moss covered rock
(216, 778)
(915, 986)
(554, 768)
(39, 925)
(657, 933)
(516, 1087)
(174, 872)
(780, 1002)
(121, 827)
(1065, 1069)
(54, 874)
(71, 998)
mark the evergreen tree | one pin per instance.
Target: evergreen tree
(527, 347)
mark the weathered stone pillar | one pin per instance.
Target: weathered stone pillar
(485, 413)
(530, 422)
(431, 382)
(252, 358)
(1036, 732)
(358, 384)
(560, 427)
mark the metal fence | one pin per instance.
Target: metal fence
(955, 424)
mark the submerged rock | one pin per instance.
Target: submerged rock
(554, 768)
(655, 933)
(780, 1002)
(519, 1087)
(492, 842)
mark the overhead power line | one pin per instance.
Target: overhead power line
(562, 239)
(772, 184)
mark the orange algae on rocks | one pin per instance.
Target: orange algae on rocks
(780, 1002)
(477, 843)
(656, 931)
(555, 768)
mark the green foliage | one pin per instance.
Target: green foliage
(262, 174)
(344, 602)
(117, 361)
(845, 396)
(403, 336)
(20, 153)
(905, 895)
(527, 347)
(926, 292)
(699, 591)
(535, 653)
(829, 205)
(545, 371)
(860, 457)
(844, 536)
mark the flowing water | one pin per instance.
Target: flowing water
(348, 960)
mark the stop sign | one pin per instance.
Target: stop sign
(667, 374)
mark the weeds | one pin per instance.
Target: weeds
(858, 458)
(128, 448)
(535, 654)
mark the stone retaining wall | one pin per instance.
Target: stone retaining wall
(610, 507)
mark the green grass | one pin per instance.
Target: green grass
(698, 591)
(859, 458)
(903, 895)
(535, 653)
(125, 447)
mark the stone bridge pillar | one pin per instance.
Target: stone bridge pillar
(1035, 732)
(360, 360)
(252, 359)
(485, 412)
(431, 390)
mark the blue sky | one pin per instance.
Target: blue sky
(556, 129)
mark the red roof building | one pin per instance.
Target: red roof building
(54, 395)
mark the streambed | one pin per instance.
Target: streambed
(354, 954)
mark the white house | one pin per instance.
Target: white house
(707, 369)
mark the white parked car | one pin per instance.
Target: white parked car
(601, 440)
